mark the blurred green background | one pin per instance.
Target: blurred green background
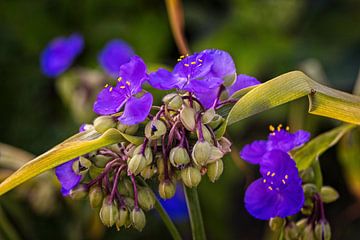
(264, 37)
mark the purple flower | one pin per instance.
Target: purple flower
(279, 139)
(125, 94)
(196, 73)
(66, 174)
(176, 206)
(115, 54)
(60, 53)
(278, 193)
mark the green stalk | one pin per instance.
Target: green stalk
(196, 221)
(318, 174)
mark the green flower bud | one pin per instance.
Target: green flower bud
(127, 129)
(155, 129)
(78, 192)
(187, 117)
(138, 218)
(291, 232)
(129, 202)
(328, 194)
(100, 160)
(216, 121)
(206, 134)
(123, 217)
(125, 188)
(308, 175)
(115, 148)
(136, 164)
(309, 189)
(103, 123)
(109, 212)
(147, 153)
(174, 101)
(148, 171)
(146, 199)
(224, 145)
(301, 224)
(95, 196)
(308, 206)
(322, 230)
(215, 154)
(191, 176)
(276, 223)
(167, 189)
(82, 166)
(201, 153)
(95, 171)
(179, 156)
(308, 233)
(229, 79)
(208, 115)
(214, 170)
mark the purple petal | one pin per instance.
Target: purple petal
(59, 54)
(203, 85)
(194, 66)
(176, 206)
(67, 177)
(133, 74)
(254, 152)
(279, 162)
(115, 54)
(110, 100)
(301, 137)
(208, 98)
(242, 81)
(223, 63)
(163, 79)
(291, 200)
(282, 140)
(136, 109)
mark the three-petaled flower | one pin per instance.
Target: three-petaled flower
(126, 94)
(59, 54)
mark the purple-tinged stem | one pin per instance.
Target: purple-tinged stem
(116, 180)
(199, 127)
(136, 204)
(164, 153)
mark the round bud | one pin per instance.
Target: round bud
(187, 117)
(155, 129)
(100, 160)
(127, 129)
(308, 233)
(309, 189)
(322, 230)
(78, 192)
(201, 153)
(146, 199)
(103, 123)
(229, 79)
(148, 171)
(138, 218)
(216, 121)
(276, 223)
(136, 164)
(125, 188)
(308, 175)
(147, 153)
(179, 156)
(224, 145)
(291, 231)
(208, 115)
(95, 196)
(191, 176)
(301, 224)
(95, 171)
(308, 206)
(215, 154)
(214, 170)
(328, 194)
(123, 217)
(206, 134)
(167, 189)
(173, 100)
(129, 202)
(109, 212)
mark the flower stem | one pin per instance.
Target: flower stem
(318, 174)
(196, 221)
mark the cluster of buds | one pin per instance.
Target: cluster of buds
(182, 142)
(314, 225)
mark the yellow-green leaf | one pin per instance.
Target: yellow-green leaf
(73, 147)
(323, 100)
(305, 156)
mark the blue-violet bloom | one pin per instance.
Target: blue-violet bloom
(176, 206)
(114, 54)
(278, 193)
(60, 53)
(279, 138)
(112, 98)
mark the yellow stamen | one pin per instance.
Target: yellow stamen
(193, 63)
(187, 55)
(270, 188)
(273, 174)
(200, 60)
(186, 65)
(264, 181)
(271, 128)
(286, 176)
(119, 79)
(268, 173)
(122, 87)
(182, 56)
(106, 85)
(279, 127)
(179, 59)
(110, 89)
(287, 128)
(283, 181)
(128, 83)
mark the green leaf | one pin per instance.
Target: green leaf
(71, 148)
(290, 86)
(306, 155)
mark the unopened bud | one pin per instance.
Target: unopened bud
(127, 129)
(224, 145)
(95, 171)
(100, 160)
(123, 217)
(214, 170)
(308, 206)
(206, 134)
(216, 121)
(187, 117)
(136, 164)
(220, 130)
(155, 129)
(309, 189)
(328, 194)
(301, 224)
(322, 230)
(276, 223)
(81, 166)
(129, 202)
(147, 153)
(103, 123)
(173, 100)
(179, 156)
(208, 115)
(308, 233)
(125, 187)
(291, 231)
(95, 196)
(215, 155)
(109, 212)
(78, 192)
(167, 189)
(138, 218)
(201, 153)
(229, 79)
(307, 175)
(191, 176)
(148, 171)
(146, 199)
